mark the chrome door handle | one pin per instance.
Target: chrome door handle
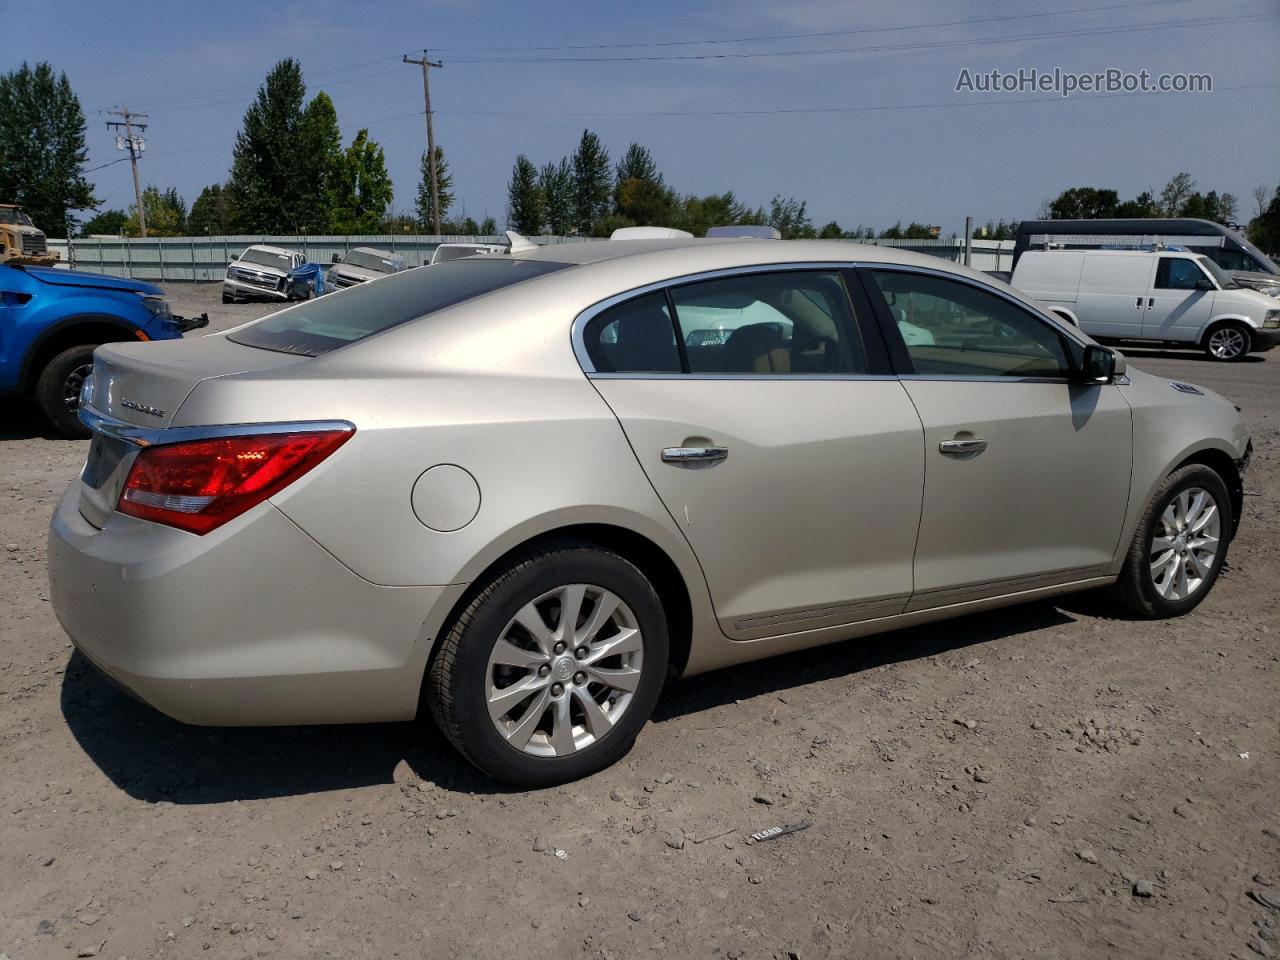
(694, 455)
(961, 448)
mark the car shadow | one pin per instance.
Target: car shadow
(19, 420)
(1195, 356)
(155, 759)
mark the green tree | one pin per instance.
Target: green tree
(212, 215)
(592, 182)
(444, 189)
(1175, 194)
(319, 162)
(790, 218)
(647, 202)
(279, 181)
(1210, 206)
(637, 164)
(555, 180)
(1084, 203)
(361, 191)
(488, 227)
(831, 231)
(166, 214)
(108, 223)
(42, 150)
(524, 199)
(1141, 206)
(1264, 229)
(698, 214)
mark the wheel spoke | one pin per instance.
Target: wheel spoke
(1202, 566)
(626, 640)
(561, 727)
(1179, 580)
(625, 679)
(502, 702)
(1196, 504)
(530, 617)
(1207, 516)
(522, 732)
(1206, 544)
(508, 654)
(1161, 544)
(570, 609)
(606, 604)
(598, 722)
(1169, 519)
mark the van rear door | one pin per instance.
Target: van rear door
(1176, 308)
(1114, 288)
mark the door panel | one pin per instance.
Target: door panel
(1113, 294)
(1176, 309)
(811, 518)
(1043, 502)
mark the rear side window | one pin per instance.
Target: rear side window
(330, 322)
(634, 337)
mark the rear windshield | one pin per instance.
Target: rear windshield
(330, 322)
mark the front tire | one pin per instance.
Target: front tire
(1179, 547)
(549, 673)
(57, 393)
(1229, 342)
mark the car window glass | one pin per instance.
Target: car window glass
(797, 322)
(1177, 273)
(633, 337)
(958, 330)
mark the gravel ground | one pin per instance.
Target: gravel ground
(1043, 781)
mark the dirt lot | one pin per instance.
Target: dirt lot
(1038, 782)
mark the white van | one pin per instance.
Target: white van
(1168, 296)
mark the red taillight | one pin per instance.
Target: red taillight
(201, 484)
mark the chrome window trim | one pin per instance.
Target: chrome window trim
(99, 422)
(587, 315)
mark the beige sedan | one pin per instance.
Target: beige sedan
(521, 490)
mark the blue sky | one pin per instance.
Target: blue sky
(194, 68)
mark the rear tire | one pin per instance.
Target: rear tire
(57, 392)
(1149, 586)
(1229, 342)
(586, 704)
(228, 298)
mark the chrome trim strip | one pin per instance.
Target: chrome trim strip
(855, 611)
(110, 426)
(585, 316)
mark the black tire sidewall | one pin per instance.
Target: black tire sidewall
(1190, 476)
(48, 390)
(483, 744)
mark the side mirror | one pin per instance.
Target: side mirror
(337, 258)
(1101, 364)
(1203, 284)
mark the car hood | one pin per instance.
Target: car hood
(259, 268)
(75, 278)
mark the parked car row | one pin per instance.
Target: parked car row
(518, 491)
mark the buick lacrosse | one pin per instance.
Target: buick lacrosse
(520, 491)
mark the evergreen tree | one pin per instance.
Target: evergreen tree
(108, 223)
(166, 214)
(592, 182)
(42, 150)
(488, 227)
(637, 164)
(211, 215)
(362, 189)
(319, 162)
(277, 169)
(555, 180)
(444, 185)
(524, 199)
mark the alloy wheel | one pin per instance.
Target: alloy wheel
(1227, 343)
(1186, 543)
(71, 386)
(564, 670)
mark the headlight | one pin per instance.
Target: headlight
(1271, 319)
(157, 307)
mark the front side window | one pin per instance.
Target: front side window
(769, 323)
(954, 329)
(1177, 273)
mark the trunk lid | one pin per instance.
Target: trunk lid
(142, 385)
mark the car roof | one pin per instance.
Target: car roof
(271, 249)
(1119, 253)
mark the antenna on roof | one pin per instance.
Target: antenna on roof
(520, 244)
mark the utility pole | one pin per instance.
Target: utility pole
(135, 145)
(426, 65)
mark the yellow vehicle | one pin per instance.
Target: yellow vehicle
(20, 240)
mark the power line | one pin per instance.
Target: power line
(821, 34)
(877, 48)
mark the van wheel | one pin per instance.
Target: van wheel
(554, 666)
(57, 392)
(1229, 341)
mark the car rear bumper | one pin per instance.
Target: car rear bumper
(254, 623)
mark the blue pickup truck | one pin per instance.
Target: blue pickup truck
(50, 322)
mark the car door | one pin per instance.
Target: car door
(775, 436)
(1026, 469)
(1113, 293)
(1178, 305)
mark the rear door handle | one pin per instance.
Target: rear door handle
(694, 456)
(962, 448)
